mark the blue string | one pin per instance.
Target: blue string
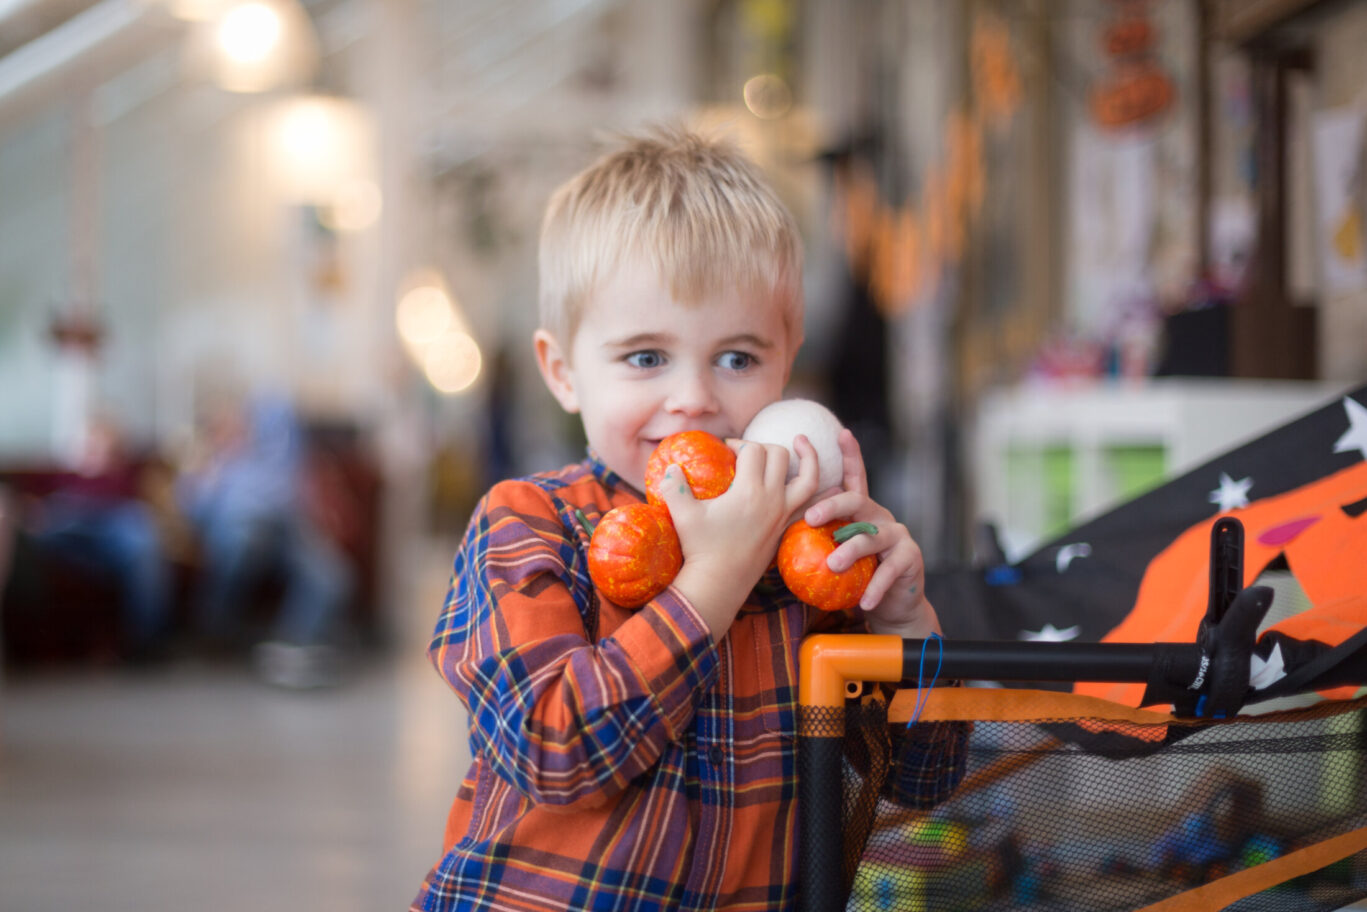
(923, 689)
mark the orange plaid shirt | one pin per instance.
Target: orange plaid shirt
(623, 759)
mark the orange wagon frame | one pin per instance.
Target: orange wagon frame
(835, 668)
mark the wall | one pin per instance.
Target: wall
(1341, 76)
(33, 276)
(203, 272)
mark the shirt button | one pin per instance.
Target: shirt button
(715, 755)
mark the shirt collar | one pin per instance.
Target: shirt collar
(607, 477)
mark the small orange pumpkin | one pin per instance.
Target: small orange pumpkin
(802, 554)
(634, 553)
(707, 462)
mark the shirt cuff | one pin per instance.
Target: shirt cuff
(671, 648)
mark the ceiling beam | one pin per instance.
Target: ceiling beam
(80, 52)
(1239, 21)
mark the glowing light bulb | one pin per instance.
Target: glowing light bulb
(322, 152)
(249, 32)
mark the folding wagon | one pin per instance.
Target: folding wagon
(1205, 752)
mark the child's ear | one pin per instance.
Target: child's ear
(555, 370)
(793, 346)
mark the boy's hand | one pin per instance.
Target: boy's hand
(728, 541)
(895, 600)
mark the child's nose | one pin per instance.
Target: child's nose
(693, 396)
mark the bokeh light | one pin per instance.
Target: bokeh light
(423, 314)
(356, 205)
(195, 10)
(249, 32)
(452, 362)
(322, 150)
(767, 96)
(253, 45)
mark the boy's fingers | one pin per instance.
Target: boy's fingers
(862, 545)
(885, 581)
(775, 465)
(744, 449)
(838, 505)
(852, 463)
(877, 588)
(801, 488)
(903, 567)
(674, 489)
(807, 461)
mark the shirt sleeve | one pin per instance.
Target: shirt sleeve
(561, 719)
(927, 759)
(928, 762)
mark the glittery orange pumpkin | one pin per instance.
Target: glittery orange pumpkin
(634, 553)
(802, 554)
(707, 462)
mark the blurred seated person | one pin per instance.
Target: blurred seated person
(96, 518)
(246, 502)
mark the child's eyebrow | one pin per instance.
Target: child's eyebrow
(644, 339)
(638, 340)
(746, 339)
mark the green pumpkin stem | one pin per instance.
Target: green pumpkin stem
(584, 521)
(845, 533)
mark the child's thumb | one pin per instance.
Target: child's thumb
(674, 489)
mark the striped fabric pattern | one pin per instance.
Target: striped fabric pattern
(622, 759)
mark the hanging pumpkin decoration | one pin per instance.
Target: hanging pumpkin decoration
(802, 554)
(708, 464)
(634, 553)
(1129, 36)
(1137, 89)
(1137, 93)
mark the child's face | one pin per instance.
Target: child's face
(643, 366)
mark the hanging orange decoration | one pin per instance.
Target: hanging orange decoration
(1138, 93)
(1137, 89)
(1128, 37)
(996, 80)
(902, 249)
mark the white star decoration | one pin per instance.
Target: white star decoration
(1231, 494)
(1263, 673)
(1355, 438)
(1068, 553)
(1050, 634)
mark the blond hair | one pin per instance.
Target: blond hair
(691, 207)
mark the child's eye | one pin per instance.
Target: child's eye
(736, 360)
(645, 359)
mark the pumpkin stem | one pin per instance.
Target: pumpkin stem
(584, 521)
(847, 532)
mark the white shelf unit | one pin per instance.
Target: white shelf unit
(1047, 456)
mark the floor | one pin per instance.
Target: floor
(196, 786)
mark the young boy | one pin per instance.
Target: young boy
(644, 759)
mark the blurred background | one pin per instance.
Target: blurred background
(267, 282)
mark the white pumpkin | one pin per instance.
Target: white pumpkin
(780, 423)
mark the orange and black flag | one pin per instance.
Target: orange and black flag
(1141, 573)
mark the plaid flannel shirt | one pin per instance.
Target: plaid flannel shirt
(622, 759)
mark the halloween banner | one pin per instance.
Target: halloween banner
(1140, 573)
